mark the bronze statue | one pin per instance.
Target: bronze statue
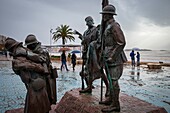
(35, 46)
(91, 69)
(113, 56)
(88, 36)
(32, 73)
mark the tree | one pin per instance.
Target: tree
(63, 32)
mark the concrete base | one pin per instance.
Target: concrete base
(73, 102)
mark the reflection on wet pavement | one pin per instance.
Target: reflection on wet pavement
(152, 86)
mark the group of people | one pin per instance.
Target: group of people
(64, 61)
(132, 56)
(32, 63)
(103, 52)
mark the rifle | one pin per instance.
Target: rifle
(104, 3)
(82, 70)
(82, 76)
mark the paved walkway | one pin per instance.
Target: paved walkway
(148, 85)
(4, 58)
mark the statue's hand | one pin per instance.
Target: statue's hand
(109, 59)
(75, 32)
(81, 74)
(83, 42)
(43, 59)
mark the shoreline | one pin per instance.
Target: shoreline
(79, 61)
(126, 63)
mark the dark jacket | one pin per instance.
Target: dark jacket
(73, 59)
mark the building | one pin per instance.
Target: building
(2, 42)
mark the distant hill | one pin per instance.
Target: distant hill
(138, 50)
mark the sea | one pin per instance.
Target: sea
(152, 56)
(152, 86)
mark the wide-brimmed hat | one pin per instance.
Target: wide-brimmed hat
(109, 9)
(10, 43)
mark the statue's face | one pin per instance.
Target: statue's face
(32, 46)
(89, 23)
(107, 17)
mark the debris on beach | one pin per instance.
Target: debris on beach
(166, 102)
(154, 65)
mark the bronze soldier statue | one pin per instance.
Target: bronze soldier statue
(93, 68)
(91, 57)
(35, 46)
(88, 36)
(113, 41)
(32, 73)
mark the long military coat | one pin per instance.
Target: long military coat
(32, 75)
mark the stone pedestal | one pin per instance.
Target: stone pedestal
(73, 102)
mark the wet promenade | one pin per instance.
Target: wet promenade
(151, 86)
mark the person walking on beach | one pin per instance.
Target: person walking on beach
(138, 58)
(132, 55)
(113, 56)
(73, 60)
(64, 61)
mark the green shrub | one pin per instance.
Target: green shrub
(55, 56)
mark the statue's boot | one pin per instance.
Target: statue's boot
(108, 101)
(107, 93)
(93, 87)
(115, 104)
(87, 83)
(111, 109)
(86, 90)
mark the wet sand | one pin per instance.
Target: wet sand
(152, 86)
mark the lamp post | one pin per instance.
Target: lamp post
(50, 39)
(51, 35)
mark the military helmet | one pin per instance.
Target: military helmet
(109, 9)
(30, 39)
(10, 43)
(88, 18)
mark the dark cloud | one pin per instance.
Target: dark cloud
(157, 11)
(18, 18)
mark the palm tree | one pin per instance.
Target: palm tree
(63, 32)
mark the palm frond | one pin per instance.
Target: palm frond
(63, 32)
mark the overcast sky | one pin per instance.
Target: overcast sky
(145, 23)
